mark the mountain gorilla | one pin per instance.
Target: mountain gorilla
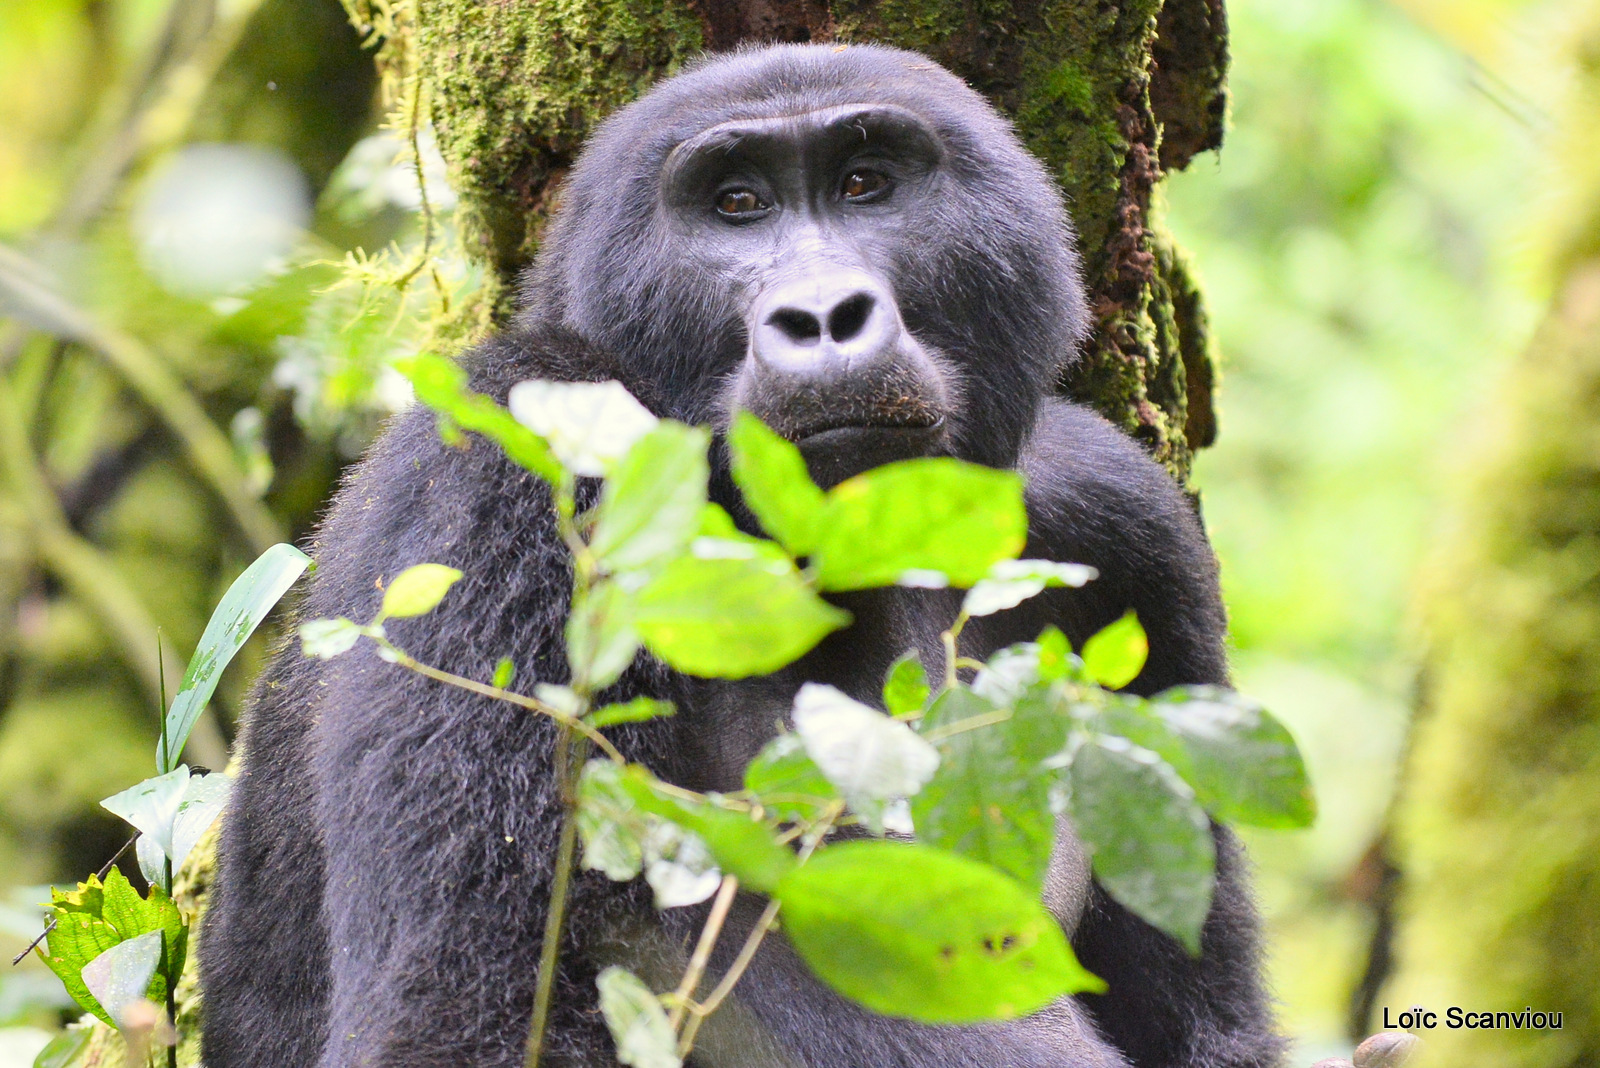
(852, 244)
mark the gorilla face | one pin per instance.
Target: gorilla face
(850, 243)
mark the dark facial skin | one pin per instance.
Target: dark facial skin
(804, 211)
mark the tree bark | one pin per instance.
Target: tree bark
(1108, 94)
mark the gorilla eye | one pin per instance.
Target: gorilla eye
(863, 184)
(736, 202)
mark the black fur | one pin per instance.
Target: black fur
(385, 863)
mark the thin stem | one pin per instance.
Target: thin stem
(532, 704)
(747, 953)
(949, 638)
(752, 942)
(971, 723)
(555, 918)
(702, 950)
(172, 990)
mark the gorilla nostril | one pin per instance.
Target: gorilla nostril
(798, 326)
(849, 317)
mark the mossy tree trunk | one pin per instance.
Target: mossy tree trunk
(1109, 94)
(1499, 845)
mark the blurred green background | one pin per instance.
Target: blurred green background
(192, 175)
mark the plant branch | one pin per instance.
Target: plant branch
(532, 704)
(560, 891)
(702, 950)
(210, 452)
(86, 572)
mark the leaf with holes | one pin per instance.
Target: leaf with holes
(913, 931)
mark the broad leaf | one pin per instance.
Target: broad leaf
(905, 689)
(1148, 839)
(651, 504)
(418, 590)
(1243, 763)
(611, 825)
(1056, 659)
(171, 811)
(237, 616)
(678, 866)
(990, 799)
(925, 515)
(1010, 582)
(867, 755)
(325, 639)
(122, 974)
(1008, 672)
(66, 1050)
(588, 425)
(741, 846)
(772, 475)
(912, 931)
(1115, 656)
(96, 916)
(601, 639)
(442, 386)
(731, 616)
(787, 782)
(637, 1022)
(638, 710)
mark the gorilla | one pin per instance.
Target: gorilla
(850, 243)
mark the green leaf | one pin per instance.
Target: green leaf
(505, 672)
(1148, 840)
(1010, 582)
(417, 590)
(96, 916)
(1008, 672)
(869, 756)
(678, 866)
(637, 1022)
(325, 639)
(786, 782)
(1056, 659)
(442, 386)
(741, 845)
(122, 974)
(1242, 762)
(611, 825)
(1115, 656)
(731, 616)
(237, 616)
(918, 516)
(172, 812)
(651, 504)
(601, 639)
(990, 799)
(905, 689)
(772, 475)
(588, 425)
(913, 931)
(66, 1050)
(637, 710)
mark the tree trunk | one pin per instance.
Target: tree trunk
(1500, 817)
(1109, 94)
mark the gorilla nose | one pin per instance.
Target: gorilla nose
(837, 322)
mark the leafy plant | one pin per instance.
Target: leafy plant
(111, 947)
(979, 765)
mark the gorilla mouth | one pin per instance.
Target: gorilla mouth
(919, 423)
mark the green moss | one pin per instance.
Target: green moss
(515, 89)
(1501, 815)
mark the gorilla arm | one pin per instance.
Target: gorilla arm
(1094, 497)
